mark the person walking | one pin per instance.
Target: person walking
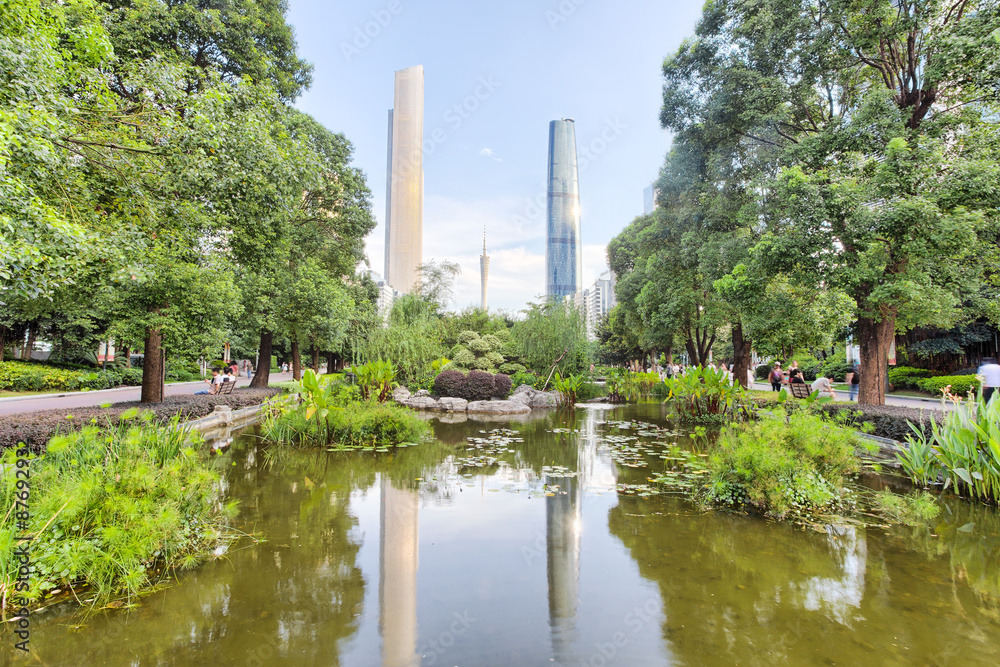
(776, 377)
(249, 368)
(989, 371)
(855, 381)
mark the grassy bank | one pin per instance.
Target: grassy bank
(35, 428)
(112, 511)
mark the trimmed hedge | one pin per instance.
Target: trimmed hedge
(35, 428)
(476, 386)
(27, 376)
(905, 377)
(960, 384)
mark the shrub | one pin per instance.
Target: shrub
(885, 421)
(762, 371)
(502, 385)
(25, 376)
(905, 377)
(837, 368)
(960, 385)
(776, 465)
(463, 357)
(449, 383)
(478, 386)
(511, 368)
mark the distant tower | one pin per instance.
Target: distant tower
(484, 269)
(404, 205)
(563, 252)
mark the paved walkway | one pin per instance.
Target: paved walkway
(69, 400)
(906, 401)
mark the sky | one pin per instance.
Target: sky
(495, 74)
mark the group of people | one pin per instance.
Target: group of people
(822, 384)
(218, 378)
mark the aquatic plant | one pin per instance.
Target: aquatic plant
(113, 510)
(707, 395)
(568, 387)
(964, 449)
(376, 379)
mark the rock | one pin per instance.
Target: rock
(423, 403)
(422, 393)
(401, 394)
(498, 407)
(453, 404)
(534, 398)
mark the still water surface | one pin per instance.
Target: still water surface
(514, 548)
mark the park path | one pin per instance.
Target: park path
(70, 400)
(905, 401)
(22, 404)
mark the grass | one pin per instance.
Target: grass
(112, 511)
(358, 424)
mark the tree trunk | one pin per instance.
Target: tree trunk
(262, 374)
(331, 362)
(3, 340)
(152, 368)
(875, 338)
(741, 350)
(296, 361)
(29, 346)
(315, 359)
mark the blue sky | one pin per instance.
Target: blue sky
(530, 61)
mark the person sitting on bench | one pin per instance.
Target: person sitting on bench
(215, 381)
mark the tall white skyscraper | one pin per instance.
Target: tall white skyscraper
(404, 206)
(484, 271)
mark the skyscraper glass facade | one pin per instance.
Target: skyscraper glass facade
(563, 253)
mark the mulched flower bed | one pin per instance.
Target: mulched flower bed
(36, 428)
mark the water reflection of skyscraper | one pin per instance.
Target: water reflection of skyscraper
(563, 518)
(398, 559)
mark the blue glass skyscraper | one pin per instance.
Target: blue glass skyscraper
(563, 251)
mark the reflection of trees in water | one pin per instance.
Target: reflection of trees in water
(967, 536)
(740, 590)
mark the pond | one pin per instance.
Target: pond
(507, 543)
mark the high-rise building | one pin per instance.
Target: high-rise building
(404, 200)
(649, 198)
(484, 270)
(563, 252)
(595, 302)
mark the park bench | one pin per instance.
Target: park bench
(226, 387)
(799, 390)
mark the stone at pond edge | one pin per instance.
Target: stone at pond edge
(423, 403)
(453, 404)
(401, 394)
(499, 407)
(534, 398)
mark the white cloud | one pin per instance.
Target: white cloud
(488, 152)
